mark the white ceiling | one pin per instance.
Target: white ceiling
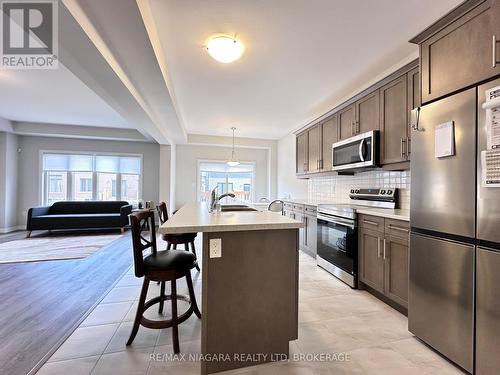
(302, 57)
(53, 96)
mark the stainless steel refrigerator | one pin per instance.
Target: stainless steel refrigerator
(455, 222)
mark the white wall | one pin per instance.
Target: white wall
(29, 165)
(8, 181)
(186, 171)
(288, 184)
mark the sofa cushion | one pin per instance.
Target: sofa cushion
(84, 221)
(86, 207)
(74, 216)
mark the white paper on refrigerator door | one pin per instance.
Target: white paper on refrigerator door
(492, 107)
(490, 166)
(444, 142)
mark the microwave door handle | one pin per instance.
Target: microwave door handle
(361, 153)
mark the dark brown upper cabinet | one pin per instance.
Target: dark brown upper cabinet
(367, 113)
(301, 153)
(330, 136)
(394, 121)
(314, 148)
(360, 117)
(385, 106)
(460, 49)
(347, 122)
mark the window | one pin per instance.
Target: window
(90, 177)
(85, 185)
(55, 183)
(56, 187)
(227, 179)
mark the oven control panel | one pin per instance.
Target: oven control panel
(384, 194)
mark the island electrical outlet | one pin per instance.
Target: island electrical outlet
(216, 248)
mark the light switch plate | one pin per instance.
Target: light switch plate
(216, 248)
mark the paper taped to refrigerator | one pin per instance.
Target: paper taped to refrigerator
(444, 144)
(492, 107)
(490, 166)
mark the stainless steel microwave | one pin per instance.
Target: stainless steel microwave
(356, 152)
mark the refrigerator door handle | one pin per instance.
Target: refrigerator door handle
(415, 117)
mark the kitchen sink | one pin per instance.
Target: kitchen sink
(236, 207)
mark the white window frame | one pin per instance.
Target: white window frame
(198, 176)
(42, 182)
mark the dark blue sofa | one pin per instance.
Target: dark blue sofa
(79, 215)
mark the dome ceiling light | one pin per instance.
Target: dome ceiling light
(224, 49)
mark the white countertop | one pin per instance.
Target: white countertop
(396, 214)
(194, 217)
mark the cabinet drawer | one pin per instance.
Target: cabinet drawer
(288, 206)
(310, 210)
(298, 207)
(371, 222)
(397, 228)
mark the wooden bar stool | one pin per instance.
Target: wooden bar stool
(161, 266)
(186, 239)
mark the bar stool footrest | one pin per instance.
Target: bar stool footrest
(160, 324)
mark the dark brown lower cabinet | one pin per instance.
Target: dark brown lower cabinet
(383, 260)
(310, 235)
(396, 269)
(371, 264)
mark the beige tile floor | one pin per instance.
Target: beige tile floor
(332, 319)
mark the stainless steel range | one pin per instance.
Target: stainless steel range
(337, 231)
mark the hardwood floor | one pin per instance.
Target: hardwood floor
(41, 303)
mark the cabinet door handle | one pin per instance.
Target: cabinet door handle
(405, 230)
(352, 128)
(403, 141)
(384, 250)
(494, 52)
(357, 127)
(370, 222)
(408, 146)
(378, 247)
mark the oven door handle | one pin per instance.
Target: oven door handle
(361, 153)
(346, 223)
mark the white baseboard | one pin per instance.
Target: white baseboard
(12, 229)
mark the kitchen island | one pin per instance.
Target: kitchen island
(249, 284)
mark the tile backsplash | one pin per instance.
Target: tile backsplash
(336, 188)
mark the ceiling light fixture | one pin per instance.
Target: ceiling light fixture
(224, 49)
(233, 162)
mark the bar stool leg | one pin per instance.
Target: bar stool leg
(169, 246)
(192, 296)
(140, 311)
(162, 296)
(194, 252)
(175, 331)
(175, 246)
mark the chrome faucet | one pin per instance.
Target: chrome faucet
(214, 199)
